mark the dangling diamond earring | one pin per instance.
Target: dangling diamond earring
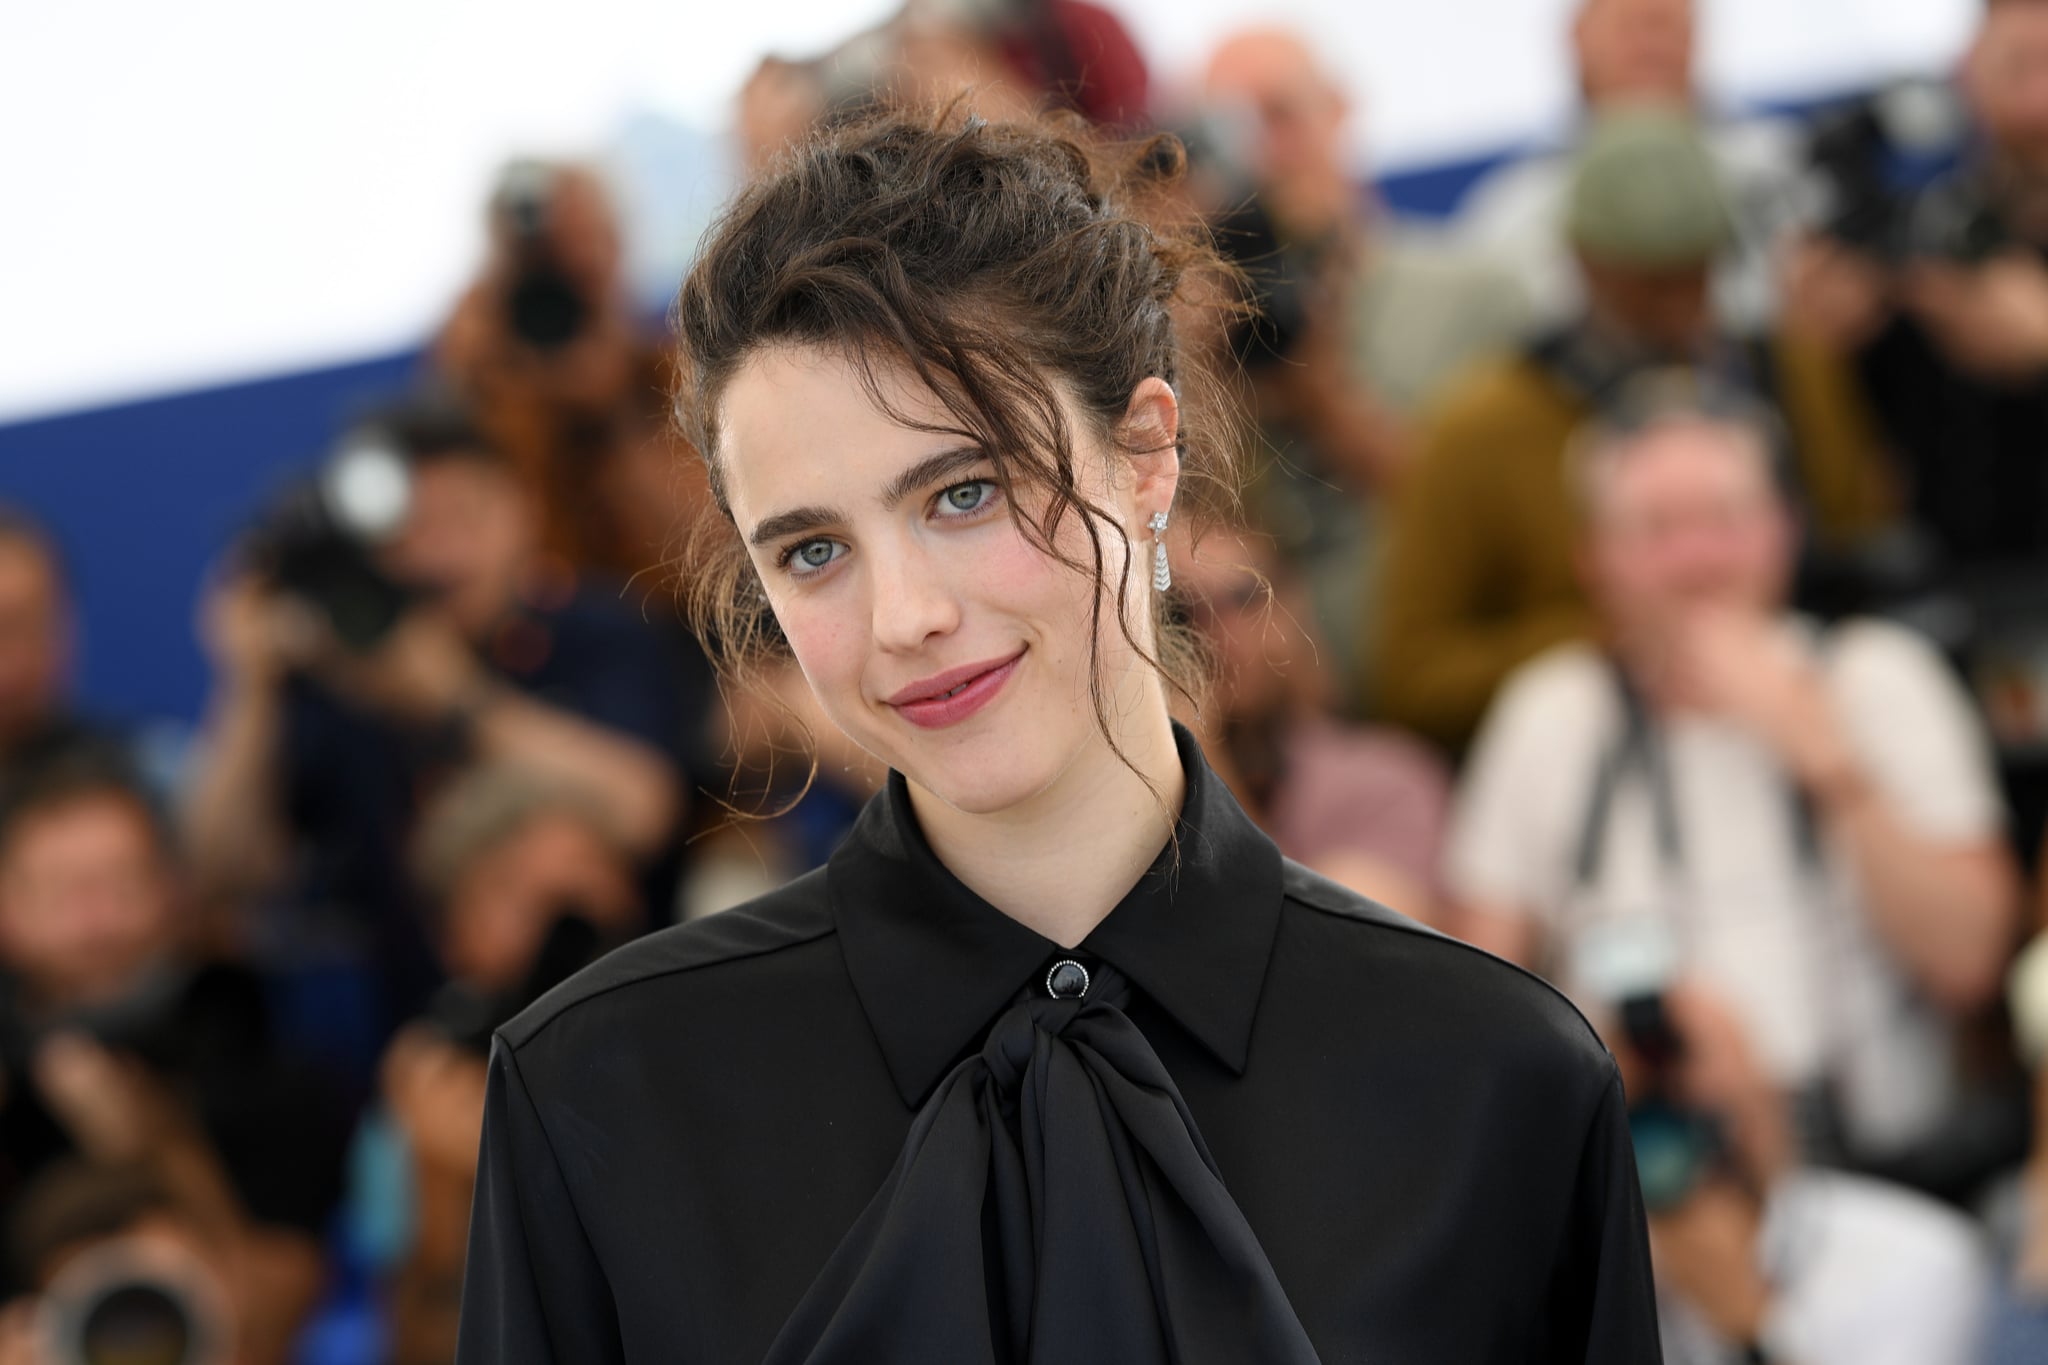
(1162, 576)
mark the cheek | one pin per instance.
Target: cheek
(829, 636)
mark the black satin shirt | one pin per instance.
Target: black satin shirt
(1429, 1144)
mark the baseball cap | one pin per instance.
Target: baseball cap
(1645, 190)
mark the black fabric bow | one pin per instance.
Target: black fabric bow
(1054, 1204)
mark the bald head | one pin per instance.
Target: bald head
(1634, 51)
(1296, 111)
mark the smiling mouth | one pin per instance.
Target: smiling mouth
(961, 700)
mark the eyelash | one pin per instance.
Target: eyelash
(787, 556)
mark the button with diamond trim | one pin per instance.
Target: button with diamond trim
(1068, 980)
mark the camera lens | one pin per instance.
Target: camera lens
(136, 1324)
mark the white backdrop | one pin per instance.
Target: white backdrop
(218, 189)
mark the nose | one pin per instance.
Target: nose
(913, 601)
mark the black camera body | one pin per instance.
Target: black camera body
(544, 306)
(317, 543)
(1675, 1146)
(1894, 181)
(467, 1017)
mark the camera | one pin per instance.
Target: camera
(544, 306)
(130, 1302)
(1628, 963)
(468, 1017)
(1247, 235)
(318, 541)
(1891, 182)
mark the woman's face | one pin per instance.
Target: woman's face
(932, 631)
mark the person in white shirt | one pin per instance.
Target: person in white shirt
(1806, 818)
(1633, 52)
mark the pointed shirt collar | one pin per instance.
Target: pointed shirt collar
(933, 963)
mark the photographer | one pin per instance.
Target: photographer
(36, 718)
(1807, 816)
(1479, 575)
(1364, 806)
(545, 350)
(1642, 53)
(527, 881)
(121, 1043)
(1364, 316)
(1945, 294)
(1756, 1257)
(330, 721)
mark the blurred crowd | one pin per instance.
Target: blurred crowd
(1643, 576)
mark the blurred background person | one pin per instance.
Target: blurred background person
(343, 699)
(545, 351)
(1015, 56)
(1804, 820)
(525, 881)
(1757, 1256)
(1364, 317)
(117, 1267)
(36, 628)
(2018, 1212)
(1634, 53)
(1949, 301)
(124, 1041)
(1942, 288)
(1479, 573)
(1361, 805)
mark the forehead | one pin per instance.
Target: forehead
(1636, 10)
(2014, 23)
(796, 421)
(26, 566)
(1678, 461)
(87, 818)
(457, 476)
(1260, 64)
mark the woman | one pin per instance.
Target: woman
(1057, 1059)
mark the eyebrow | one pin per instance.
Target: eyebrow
(925, 472)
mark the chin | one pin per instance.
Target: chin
(982, 769)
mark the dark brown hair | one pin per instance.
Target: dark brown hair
(999, 263)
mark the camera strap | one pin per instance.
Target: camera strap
(1639, 748)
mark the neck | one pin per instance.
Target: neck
(1059, 862)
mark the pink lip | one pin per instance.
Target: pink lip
(926, 703)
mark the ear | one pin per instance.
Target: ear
(1151, 426)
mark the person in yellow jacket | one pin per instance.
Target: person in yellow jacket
(1479, 571)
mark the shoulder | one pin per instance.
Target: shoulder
(1450, 268)
(1866, 647)
(1507, 383)
(1884, 672)
(1477, 1007)
(1504, 398)
(1560, 694)
(1499, 204)
(766, 932)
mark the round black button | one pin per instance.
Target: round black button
(1068, 980)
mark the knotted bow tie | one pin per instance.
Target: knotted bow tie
(1053, 1204)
